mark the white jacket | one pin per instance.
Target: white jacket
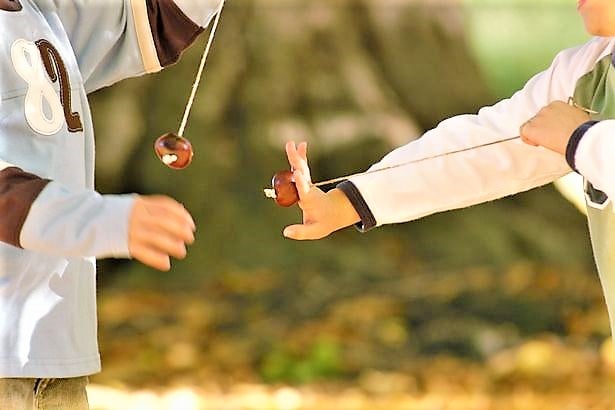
(404, 193)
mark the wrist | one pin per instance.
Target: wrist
(574, 141)
(367, 220)
(346, 214)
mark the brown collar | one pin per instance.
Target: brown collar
(10, 5)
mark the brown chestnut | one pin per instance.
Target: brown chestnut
(284, 189)
(174, 151)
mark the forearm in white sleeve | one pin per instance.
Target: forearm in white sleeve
(445, 182)
(67, 223)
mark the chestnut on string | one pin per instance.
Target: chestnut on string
(174, 151)
(283, 191)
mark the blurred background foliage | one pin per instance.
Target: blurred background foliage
(354, 78)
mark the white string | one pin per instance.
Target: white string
(340, 179)
(414, 161)
(199, 75)
(270, 193)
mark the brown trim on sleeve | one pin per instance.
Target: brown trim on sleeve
(18, 190)
(573, 143)
(172, 31)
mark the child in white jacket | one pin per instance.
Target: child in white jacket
(53, 225)
(565, 118)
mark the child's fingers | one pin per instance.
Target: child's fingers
(302, 150)
(302, 183)
(169, 206)
(167, 243)
(293, 156)
(161, 218)
(156, 238)
(166, 213)
(297, 157)
(305, 168)
(528, 141)
(152, 257)
(176, 228)
(304, 232)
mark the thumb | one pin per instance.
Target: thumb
(304, 232)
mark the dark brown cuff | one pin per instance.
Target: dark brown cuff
(18, 190)
(368, 221)
(573, 143)
(172, 30)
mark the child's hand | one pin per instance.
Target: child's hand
(159, 228)
(552, 126)
(323, 213)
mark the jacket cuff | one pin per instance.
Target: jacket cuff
(368, 221)
(573, 143)
(120, 207)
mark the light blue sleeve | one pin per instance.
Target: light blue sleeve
(200, 11)
(103, 36)
(118, 39)
(69, 222)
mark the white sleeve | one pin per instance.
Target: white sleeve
(593, 158)
(459, 180)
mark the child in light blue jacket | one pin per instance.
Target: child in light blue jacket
(53, 224)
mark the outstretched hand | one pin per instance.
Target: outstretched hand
(553, 125)
(323, 213)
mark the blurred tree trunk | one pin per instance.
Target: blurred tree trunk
(326, 71)
(354, 78)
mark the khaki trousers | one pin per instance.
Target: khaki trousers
(44, 394)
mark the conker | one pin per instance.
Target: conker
(285, 189)
(174, 151)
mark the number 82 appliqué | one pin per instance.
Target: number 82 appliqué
(40, 65)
